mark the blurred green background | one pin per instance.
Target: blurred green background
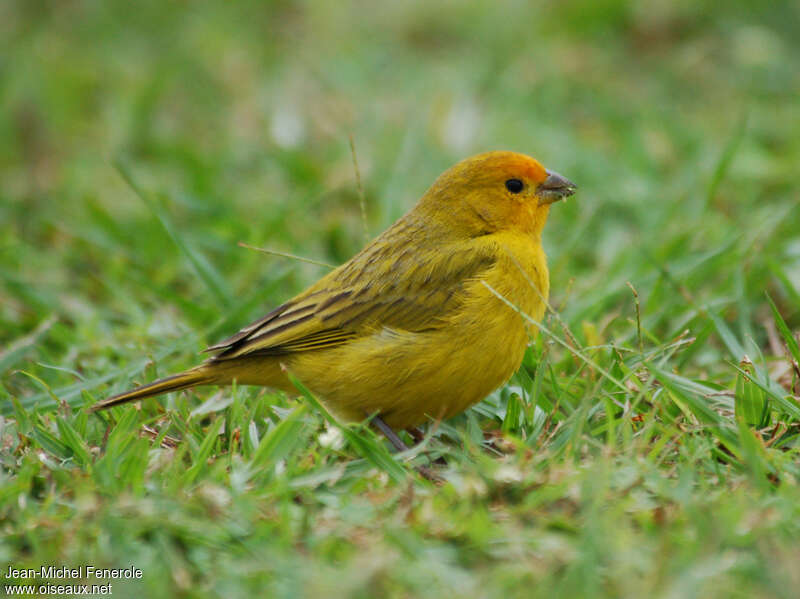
(240, 116)
(679, 121)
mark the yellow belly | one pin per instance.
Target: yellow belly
(411, 377)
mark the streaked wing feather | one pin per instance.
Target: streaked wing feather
(398, 292)
(307, 343)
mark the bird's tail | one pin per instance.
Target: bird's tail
(201, 375)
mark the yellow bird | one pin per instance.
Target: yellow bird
(411, 328)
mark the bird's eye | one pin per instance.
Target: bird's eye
(514, 185)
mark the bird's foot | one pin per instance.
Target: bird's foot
(398, 445)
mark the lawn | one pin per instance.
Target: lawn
(648, 447)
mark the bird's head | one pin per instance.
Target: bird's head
(496, 191)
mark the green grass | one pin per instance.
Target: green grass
(637, 452)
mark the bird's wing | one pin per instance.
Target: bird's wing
(377, 288)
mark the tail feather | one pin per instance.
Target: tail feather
(176, 382)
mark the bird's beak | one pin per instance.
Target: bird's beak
(554, 188)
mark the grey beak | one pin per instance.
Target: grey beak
(554, 188)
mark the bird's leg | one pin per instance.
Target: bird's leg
(419, 437)
(387, 431)
(416, 434)
(398, 444)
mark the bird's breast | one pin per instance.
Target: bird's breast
(410, 377)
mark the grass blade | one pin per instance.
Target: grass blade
(282, 439)
(788, 338)
(212, 279)
(373, 452)
(204, 451)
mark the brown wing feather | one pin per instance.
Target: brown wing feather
(378, 288)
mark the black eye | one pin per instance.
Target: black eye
(514, 185)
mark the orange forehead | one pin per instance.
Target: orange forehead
(526, 166)
(510, 164)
